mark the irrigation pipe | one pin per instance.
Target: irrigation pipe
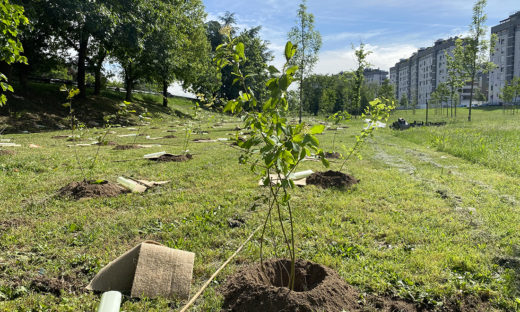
(201, 290)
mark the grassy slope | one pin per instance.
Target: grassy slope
(422, 224)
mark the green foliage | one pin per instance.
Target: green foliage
(275, 147)
(309, 43)
(377, 112)
(403, 102)
(510, 93)
(474, 49)
(362, 64)
(11, 19)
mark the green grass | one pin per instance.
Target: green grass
(425, 225)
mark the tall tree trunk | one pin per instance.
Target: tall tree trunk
(129, 82)
(82, 57)
(165, 93)
(99, 64)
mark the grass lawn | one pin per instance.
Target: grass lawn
(435, 219)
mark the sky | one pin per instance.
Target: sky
(391, 29)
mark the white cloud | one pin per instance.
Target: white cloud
(334, 61)
(357, 36)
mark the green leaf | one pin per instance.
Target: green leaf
(317, 129)
(292, 70)
(289, 50)
(273, 70)
(240, 50)
(99, 181)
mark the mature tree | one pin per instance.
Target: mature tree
(308, 41)
(257, 56)
(10, 46)
(137, 20)
(178, 45)
(75, 23)
(476, 48)
(40, 46)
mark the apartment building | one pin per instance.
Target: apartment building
(419, 75)
(375, 76)
(506, 56)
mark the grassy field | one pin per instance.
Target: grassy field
(434, 220)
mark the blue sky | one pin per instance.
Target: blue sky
(392, 29)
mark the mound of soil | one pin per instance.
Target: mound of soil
(317, 288)
(6, 152)
(333, 155)
(112, 143)
(126, 147)
(174, 158)
(330, 179)
(88, 189)
(169, 137)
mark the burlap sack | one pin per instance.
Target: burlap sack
(148, 270)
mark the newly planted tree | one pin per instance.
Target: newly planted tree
(476, 49)
(510, 93)
(308, 41)
(456, 75)
(280, 146)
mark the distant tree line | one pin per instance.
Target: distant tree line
(328, 94)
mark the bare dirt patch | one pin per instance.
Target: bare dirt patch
(111, 143)
(331, 179)
(169, 137)
(89, 189)
(126, 147)
(6, 152)
(317, 288)
(332, 155)
(174, 158)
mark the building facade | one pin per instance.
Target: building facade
(506, 56)
(419, 75)
(375, 76)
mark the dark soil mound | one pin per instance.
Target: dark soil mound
(89, 189)
(60, 137)
(317, 288)
(333, 155)
(126, 147)
(331, 179)
(174, 158)
(6, 152)
(169, 137)
(112, 143)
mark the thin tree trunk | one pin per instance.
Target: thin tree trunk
(302, 72)
(82, 57)
(165, 93)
